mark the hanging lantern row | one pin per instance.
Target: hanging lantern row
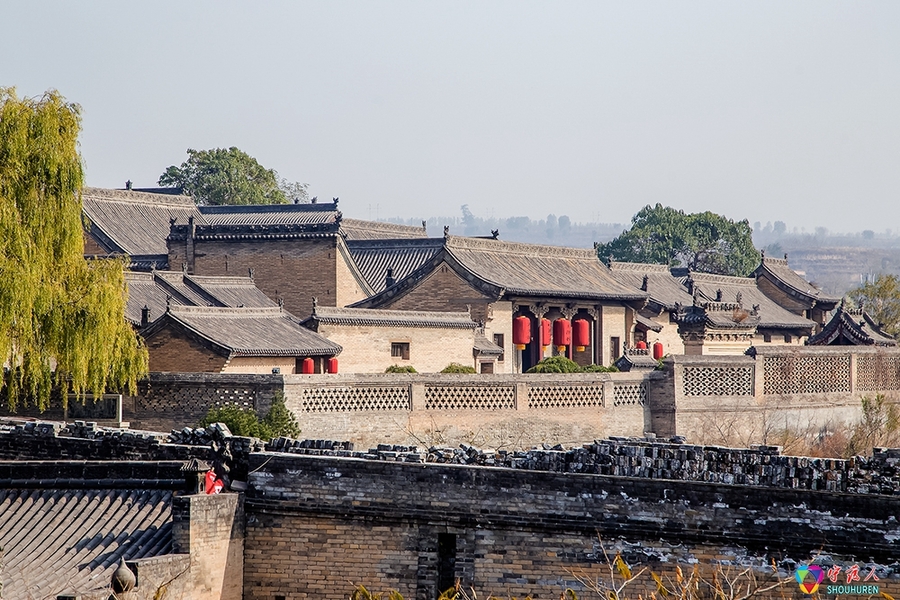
(308, 366)
(563, 332)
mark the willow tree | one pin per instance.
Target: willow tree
(61, 317)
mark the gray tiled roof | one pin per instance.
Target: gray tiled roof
(663, 288)
(270, 214)
(778, 271)
(154, 289)
(531, 269)
(648, 323)
(486, 347)
(247, 331)
(853, 326)
(771, 314)
(389, 318)
(135, 223)
(534, 270)
(375, 257)
(65, 540)
(355, 229)
(500, 268)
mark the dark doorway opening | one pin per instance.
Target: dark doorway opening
(446, 562)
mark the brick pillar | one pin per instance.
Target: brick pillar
(210, 528)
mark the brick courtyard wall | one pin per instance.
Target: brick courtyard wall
(343, 522)
(296, 269)
(172, 350)
(367, 348)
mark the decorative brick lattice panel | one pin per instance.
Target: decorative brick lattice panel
(167, 399)
(568, 396)
(875, 373)
(626, 394)
(806, 374)
(718, 381)
(469, 397)
(354, 399)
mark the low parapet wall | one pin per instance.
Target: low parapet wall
(750, 399)
(485, 410)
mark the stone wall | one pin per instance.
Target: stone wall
(749, 399)
(518, 532)
(485, 410)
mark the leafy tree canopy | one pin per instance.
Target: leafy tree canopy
(278, 422)
(230, 176)
(561, 364)
(881, 300)
(704, 242)
(458, 368)
(62, 319)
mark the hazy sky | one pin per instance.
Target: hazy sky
(760, 110)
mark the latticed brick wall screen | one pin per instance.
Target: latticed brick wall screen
(626, 394)
(718, 381)
(570, 396)
(353, 399)
(469, 397)
(878, 372)
(196, 399)
(796, 374)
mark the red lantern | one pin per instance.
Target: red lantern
(545, 332)
(581, 334)
(332, 365)
(521, 332)
(562, 334)
(657, 351)
(642, 345)
(307, 367)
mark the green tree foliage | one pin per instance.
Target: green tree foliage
(230, 176)
(555, 364)
(399, 369)
(62, 319)
(458, 368)
(561, 364)
(881, 300)
(704, 242)
(279, 421)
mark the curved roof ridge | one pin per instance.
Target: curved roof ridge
(231, 312)
(616, 265)
(321, 311)
(133, 196)
(700, 277)
(504, 246)
(222, 279)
